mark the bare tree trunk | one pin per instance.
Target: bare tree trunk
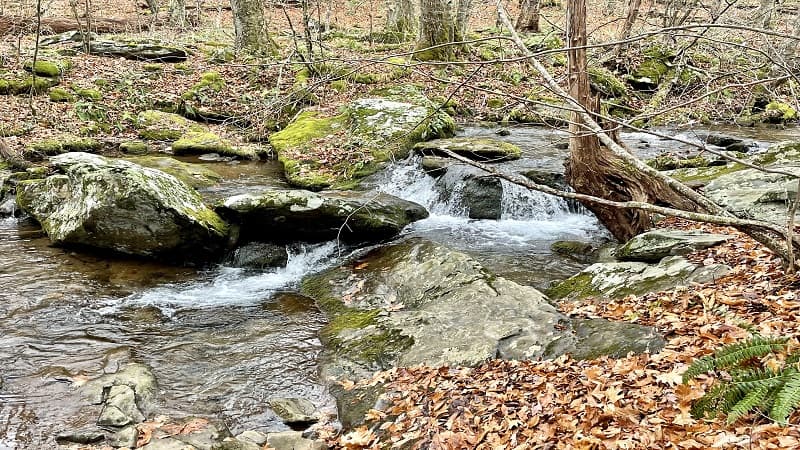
(594, 169)
(250, 27)
(401, 18)
(462, 19)
(528, 19)
(153, 5)
(177, 13)
(630, 19)
(437, 29)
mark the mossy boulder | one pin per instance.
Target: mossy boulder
(479, 149)
(38, 150)
(291, 215)
(618, 279)
(47, 68)
(135, 147)
(23, 84)
(201, 142)
(421, 303)
(194, 175)
(654, 245)
(88, 93)
(778, 112)
(120, 206)
(578, 250)
(653, 69)
(144, 50)
(157, 125)
(61, 95)
(320, 151)
(606, 83)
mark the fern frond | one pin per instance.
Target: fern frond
(755, 347)
(707, 404)
(786, 399)
(698, 367)
(750, 401)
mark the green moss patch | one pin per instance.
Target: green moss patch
(46, 68)
(61, 144)
(160, 126)
(60, 95)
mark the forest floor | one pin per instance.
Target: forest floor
(633, 402)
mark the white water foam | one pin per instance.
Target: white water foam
(233, 286)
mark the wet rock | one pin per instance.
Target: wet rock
(554, 180)
(624, 278)
(434, 165)
(134, 148)
(293, 440)
(580, 251)
(310, 216)
(8, 207)
(293, 410)
(120, 206)
(421, 303)
(503, 132)
(126, 437)
(259, 256)
(742, 147)
(383, 128)
(143, 50)
(471, 190)
(88, 435)
(720, 140)
(120, 408)
(479, 149)
(253, 437)
(138, 377)
(655, 245)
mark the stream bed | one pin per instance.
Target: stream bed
(222, 341)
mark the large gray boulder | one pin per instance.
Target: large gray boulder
(310, 216)
(618, 279)
(654, 245)
(118, 205)
(420, 303)
(754, 194)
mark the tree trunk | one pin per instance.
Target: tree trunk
(462, 20)
(250, 27)
(528, 19)
(177, 13)
(594, 169)
(630, 19)
(764, 13)
(401, 18)
(437, 29)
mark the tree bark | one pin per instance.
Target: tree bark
(250, 27)
(528, 19)
(401, 18)
(437, 29)
(592, 168)
(462, 19)
(630, 19)
(764, 13)
(16, 25)
(177, 13)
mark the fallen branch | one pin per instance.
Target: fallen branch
(55, 25)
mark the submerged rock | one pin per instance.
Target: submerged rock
(281, 215)
(364, 137)
(618, 279)
(259, 256)
(655, 245)
(480, 149)
(120, 206)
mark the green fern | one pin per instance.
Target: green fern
(744, 385)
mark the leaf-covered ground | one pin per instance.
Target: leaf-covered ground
(634, 402)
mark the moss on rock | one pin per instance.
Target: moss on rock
(61, 144)
(156, 125)
(58, 94)
(88, 93)
(779, 112)
(135, 147)
(46, 68)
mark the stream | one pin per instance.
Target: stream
(222, 341)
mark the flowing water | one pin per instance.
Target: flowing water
(221, 340)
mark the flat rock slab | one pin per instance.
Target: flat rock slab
(279, 215)
(618, 279)
(652, 246)
(293, 410)
(479, 149)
